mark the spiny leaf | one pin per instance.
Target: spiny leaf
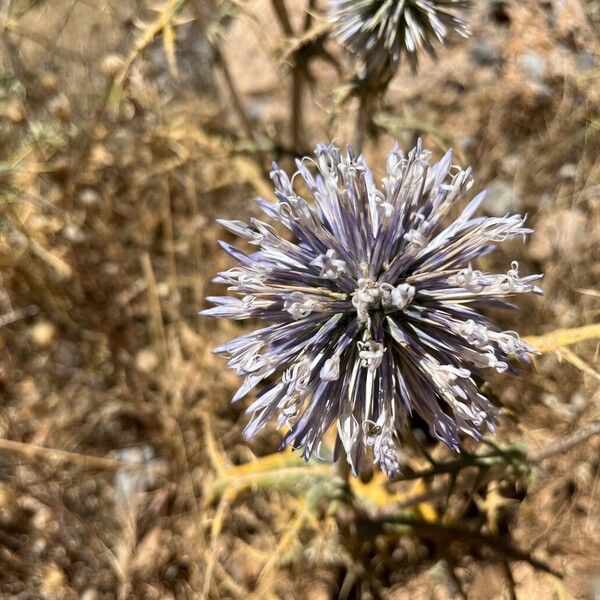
(166, 15)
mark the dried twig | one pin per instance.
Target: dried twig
(568, 442)
(33, 451)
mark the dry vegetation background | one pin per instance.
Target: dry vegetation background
(123, 473)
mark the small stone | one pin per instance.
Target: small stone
(130, 482)
(88, 197)
(146, 360)
(501, 199)
(15, 111)
(41, 518)
(534, 66)
(568, 171)
(101, 156)
(110, 268)
(511, 163)
(485, 54)
(467, 142)
(578, 402)
(73, 233)
(53, 582)
(586, 62)
(112, 64)
(163, 289)
(42, 334)
(49, 82)
(60, 107)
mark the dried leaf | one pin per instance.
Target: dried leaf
(554, 340)
(169, 48)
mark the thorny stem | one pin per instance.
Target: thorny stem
(467, 460)
(283, 17)
(299, 71)
(236, 99)
(298, 77)
(363, 121)
(447, 532)
(221, 61)
(341, 470)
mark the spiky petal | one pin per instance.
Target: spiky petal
(373, 311)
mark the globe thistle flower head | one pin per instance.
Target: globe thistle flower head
(379, 32)
(372, 312)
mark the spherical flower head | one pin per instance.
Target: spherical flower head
(372, 312)
(379, 32)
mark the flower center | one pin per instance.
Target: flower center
(372, 295)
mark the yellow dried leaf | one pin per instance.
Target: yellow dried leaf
(166, 13)
(218, 458)
(169, 48)
(375, 492)
(554, 340)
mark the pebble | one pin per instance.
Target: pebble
(130, 482)
(88, 196)
(534, 66)
(42, 333)
(578, 402)
(485, 54)
(511, 163)
(568, 171)
(60, 107)
(467, 142)
(73, 233)
(49, 82)
(146, 360)
(586, 62)
(501, 199)
(111, 64)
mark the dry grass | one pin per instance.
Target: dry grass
(123, 473)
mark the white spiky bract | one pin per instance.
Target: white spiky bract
(373, 311)
(380, 32)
